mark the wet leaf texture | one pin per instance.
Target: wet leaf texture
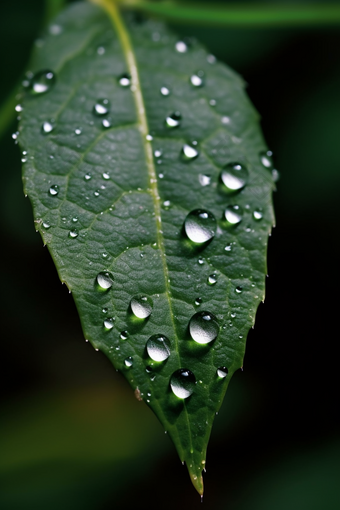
(151, 186)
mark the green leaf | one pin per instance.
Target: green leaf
(112, 184)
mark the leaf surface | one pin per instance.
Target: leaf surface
(112, 180)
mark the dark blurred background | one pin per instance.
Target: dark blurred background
(72, 435)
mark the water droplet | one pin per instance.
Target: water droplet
(73, 233)
(257, 215)
(18, 108)
(234, 176)
(158, 347)
(181, 47)
(123, 335)
(212, 279)
(106, 176)
(222, 372)
(55, 29)
(77, 131)
(46, 225)
(54, 190)
(189, 152)
(104, 310)
(203, 327)
(41, 82)
(47, 126)
(233, 214)
(275, 175)
(158, 153)
(182, 383)
(104, 280)
(173, 120)
(96, 193)
(100, 50)
(141, 306)
(200, 226)
(106, 123)
(204, 180)
(102, 107)
(211, 59)
(108, 323)
(200, 261)
(266, 158)
(238, 289)
(197, 79)
(165, 91)
(149, 138)
(225, 120)
(228, 247)
(124, 80)
(198, 301)
(128, 362)
(166, 204)
(87, 177)
(75, 219)
(212, 102)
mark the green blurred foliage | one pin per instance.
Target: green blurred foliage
(72, 434)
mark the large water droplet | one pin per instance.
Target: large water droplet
(104, 280)
(141, 306)
(189, 152)
(108, 323)
(200, 226)
(197, 79)
(158, 347)
(165, 91)
(203, 327)
(124, 80)
(181, 47)
(233, 214)
(266, 158)
(222, 372)
(234, 176)
(54, 190)
(182, 383)
(102, 107)
(41, 82)
(47, 126)
(173, 120)
(128, 362)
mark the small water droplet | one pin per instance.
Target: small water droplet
(233, 214)
(104, 310)
(106, 123)
(128, 362)
(212, 279)
(173, 120)
(158, 347)
(166, 204)
(197, 79)
(96, 193)
(165, 91)
(198, 301)
(46, 225)
(87, 177)
(222, 372)
(104, 280)
(203, 327)
(225, 120)
(123, 335)
(158, 153)
(181, 47)
(101, 107)
(257, 215)
(55, 29)
(189, 152)
(73, 234)
(200, 261)
(124, 80)
(18, 108)
(204, 180)
(211, 59)
(238, 289)
(141, 306)
(78, 131)
(47, 126)
(275, 175)
(228, 247)
(54, 190)
(149, 138)
(100, 50)
(266, 158)
(182, 383)
(109, 323)
(200, 226)
(106, 176)
(234, 176)
(42, 82)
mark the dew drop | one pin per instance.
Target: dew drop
(165, 91)
(104, 280)
(198, 301)
(200, 261)
(173, 120)
(203, 327)
(54, 190)
(123, 335)
(124, 80)
(106, 176)
(238, 290)
(46, 225)
(96, 193)
(211, 59)
(106, 123)
(41, 82)
(200, 226)
(233, 214)
(47, 126)
(149, 138)
(266, 158)
(78, 131)
(204, 180)
(100, 50)
(18, 108)
(189, 152)
(166, 204)
(158, 153)
(128, 362)
(101, 107)
(197, 79)
(141, 306)
(158, 347)
(108, 323)
(222, 372)
(182, 383)
(181, 47)
(257, 215)
(73, 234)
(212, 279)
(234, 176)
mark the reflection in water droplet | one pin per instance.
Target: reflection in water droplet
(203, 327)
(158, 347)
(123, 335)
(141, 306)
(200, 226)
(173, 120)
(47, 126)
(41, 82)
(212, 279)
(73, 234)
(234, 176)
(104, 280)
(238, 290)
(222, 372)
(128, 362)
(102, 107)
(181, 47)
(266, 158)
(182, 383)
(257, 215)
(108, 323)
(165, 91)
(124, 80)
(233, 214)
(197, 79)
(189, 152)
(204, 180)
(54, 190)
